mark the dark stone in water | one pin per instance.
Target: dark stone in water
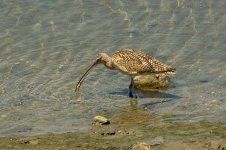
(203, 81)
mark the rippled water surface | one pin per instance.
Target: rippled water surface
(47, 45)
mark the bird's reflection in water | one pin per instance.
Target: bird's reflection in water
(159, 96)
(133, 102)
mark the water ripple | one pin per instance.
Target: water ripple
(47, 46)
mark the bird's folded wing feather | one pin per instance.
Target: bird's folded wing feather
(134, 62)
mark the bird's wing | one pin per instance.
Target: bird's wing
(135, 62)
(131, 62)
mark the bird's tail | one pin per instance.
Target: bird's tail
(170, 70)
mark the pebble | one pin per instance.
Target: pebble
(100, 120)
(141, 146)
(31, 141)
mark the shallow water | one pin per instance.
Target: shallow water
(47, 46)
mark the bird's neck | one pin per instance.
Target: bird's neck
(106, 60)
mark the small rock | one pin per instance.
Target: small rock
(147, 82)
(32, 141)
(204, 78)
(100, 120)
(141, 146)
(111, 132)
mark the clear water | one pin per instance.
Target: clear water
(47, 45)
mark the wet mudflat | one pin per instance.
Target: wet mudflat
(128, 129)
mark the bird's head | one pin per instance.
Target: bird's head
(101, 58)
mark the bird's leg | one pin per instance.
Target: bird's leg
(131, 89)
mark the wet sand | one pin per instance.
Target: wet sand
(126, 130)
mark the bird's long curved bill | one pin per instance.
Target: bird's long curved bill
(83, 77)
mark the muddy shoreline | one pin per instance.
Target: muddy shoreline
(126, 130)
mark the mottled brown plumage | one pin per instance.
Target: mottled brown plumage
(132, 63)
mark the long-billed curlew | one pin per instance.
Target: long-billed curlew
(130, 62)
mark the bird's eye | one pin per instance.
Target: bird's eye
(98, 59)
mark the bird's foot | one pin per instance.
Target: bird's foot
(131, 95)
